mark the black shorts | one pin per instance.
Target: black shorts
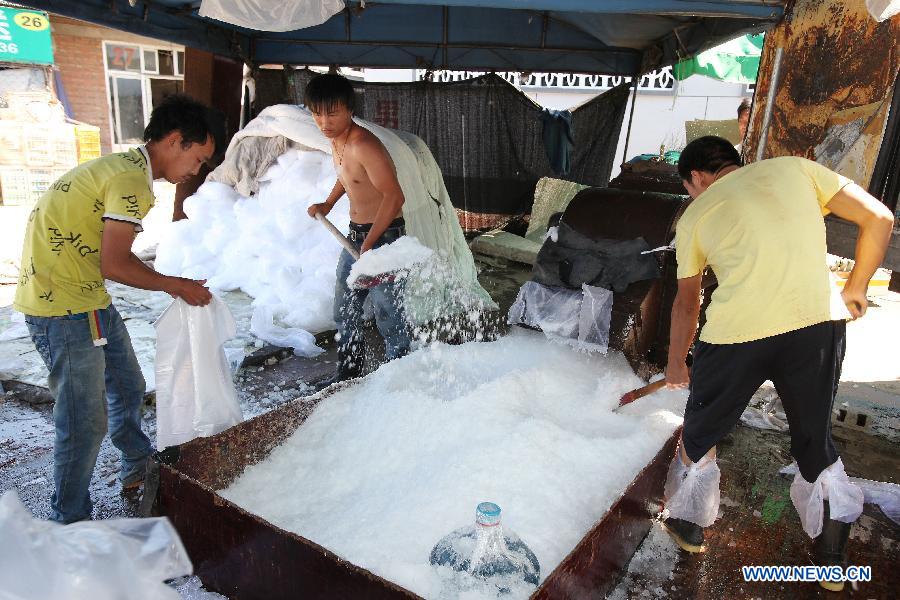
(804, 365)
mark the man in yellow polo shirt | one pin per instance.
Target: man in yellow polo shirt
(78, 235)
(775, 315)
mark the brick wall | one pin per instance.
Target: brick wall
(78, 51)
(80, 62)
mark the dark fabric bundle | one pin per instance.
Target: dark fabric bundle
(574, 259)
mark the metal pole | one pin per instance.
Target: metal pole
(770, 101)
(637, 81)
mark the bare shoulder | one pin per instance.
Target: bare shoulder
(368, 148)
(366, 140)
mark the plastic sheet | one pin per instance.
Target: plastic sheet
(845, 498)
(271, 15)
(263, 326)
(116, 559)
(579, 318)
(885, 495)
(769, 416)
(195, 395)
(692, 492)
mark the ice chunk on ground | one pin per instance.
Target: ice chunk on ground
(191, 588)
(650, 568)
(384, 469)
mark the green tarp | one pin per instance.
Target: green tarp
(736, 61)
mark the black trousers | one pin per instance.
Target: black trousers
(804, 365)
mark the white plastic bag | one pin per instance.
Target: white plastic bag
(692, 493)
(195, 395)
(580, 318)
(845, 498)
(263, 326)
(271, 15)
(115, 559)
(594, 318)
(886, 495)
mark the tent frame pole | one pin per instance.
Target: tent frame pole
(637, 82)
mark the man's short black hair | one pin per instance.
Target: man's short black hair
(743, 107)
(215, 120)
(195, 121)
(709, 153)
(324, 92)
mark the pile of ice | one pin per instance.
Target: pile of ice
(267, 246)
(397, 257)
(389, 466)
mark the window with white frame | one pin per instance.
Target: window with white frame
(139, 78)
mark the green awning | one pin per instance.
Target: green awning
(736, 61)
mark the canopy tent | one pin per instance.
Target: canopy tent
(615, 37)
(736, 61)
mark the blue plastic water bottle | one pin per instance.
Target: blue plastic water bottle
(487, 552)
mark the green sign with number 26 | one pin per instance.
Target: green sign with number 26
(25, 37)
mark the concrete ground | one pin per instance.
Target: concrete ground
(758, 525)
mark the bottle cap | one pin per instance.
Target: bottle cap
(487, 513)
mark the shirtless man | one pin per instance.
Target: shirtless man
(365, 172)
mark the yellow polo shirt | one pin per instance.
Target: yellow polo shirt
(760, 229)
(60, 272)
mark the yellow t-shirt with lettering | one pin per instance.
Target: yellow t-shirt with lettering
(761, 230)
(60, 272)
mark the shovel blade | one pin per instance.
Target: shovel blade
(367, 282)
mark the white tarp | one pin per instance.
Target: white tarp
(271, 15)
(195, 395)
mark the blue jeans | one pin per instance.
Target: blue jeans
(91, 385)
(387, 300)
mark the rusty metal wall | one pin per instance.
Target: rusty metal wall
(834, 91)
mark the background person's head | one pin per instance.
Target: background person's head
(181, 136)
(743, 115)
(331, 100)
(702, 160)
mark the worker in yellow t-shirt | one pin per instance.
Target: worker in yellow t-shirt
(775, 315)
(79, 234)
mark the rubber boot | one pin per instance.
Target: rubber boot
(686, 534)
(830, 548)
(349, 367)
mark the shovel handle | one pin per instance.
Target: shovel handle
(338, 235)
(640, 392)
